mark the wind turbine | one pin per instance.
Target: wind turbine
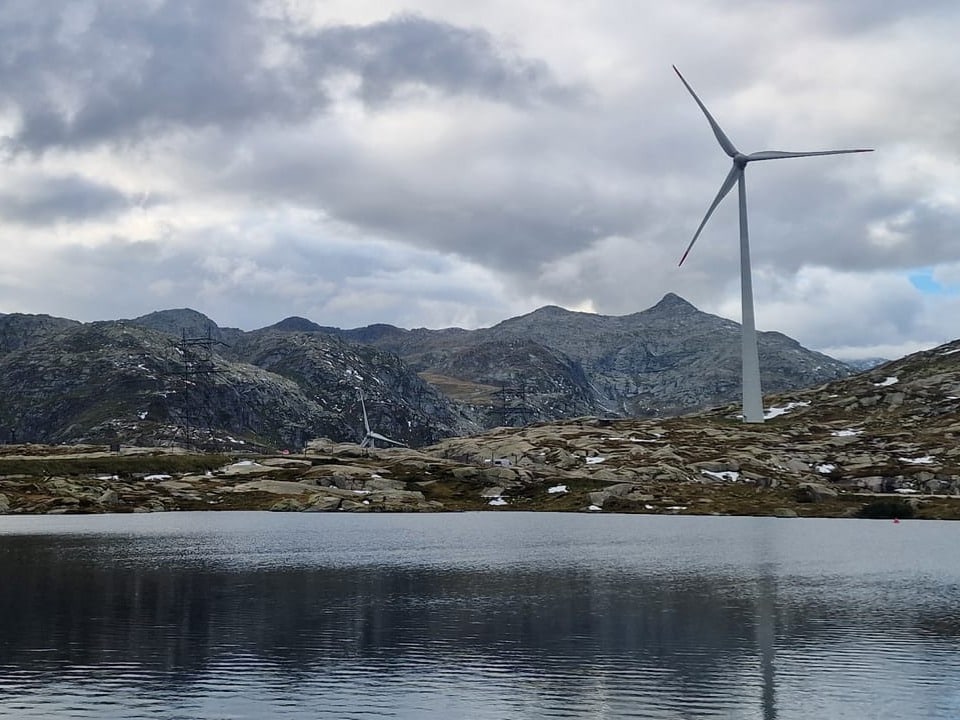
(369, 440)
(752, 394)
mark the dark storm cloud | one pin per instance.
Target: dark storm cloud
(132, 68)
(128, 70)
(412, 50)
(63, 198)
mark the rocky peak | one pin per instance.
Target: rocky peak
(297, 324)
(672, 303)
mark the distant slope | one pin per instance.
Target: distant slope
(669, 359)
(175, 375)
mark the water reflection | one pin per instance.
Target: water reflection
(624, 620)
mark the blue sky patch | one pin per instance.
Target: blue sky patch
(924, 281)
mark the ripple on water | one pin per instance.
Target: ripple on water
(487, 617)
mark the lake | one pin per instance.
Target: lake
(477, 615)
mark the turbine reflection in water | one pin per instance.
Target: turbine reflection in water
(482, 616)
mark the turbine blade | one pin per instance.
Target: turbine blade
(378, 436)
(363, 406)
(724, 141)
(731, 180)
(778, 154)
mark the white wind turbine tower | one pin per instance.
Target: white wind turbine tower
(369, 440)
(752, 394)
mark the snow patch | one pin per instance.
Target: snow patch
(557, 489)
(846, 433)
(594, 508)
(595, 460)
(725, 475)
(497, 501)
(826, 468)
(887, 382)
(777, 411)
(156, 478)
(925, 460)
(905, 491)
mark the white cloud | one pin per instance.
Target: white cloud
(448, 163)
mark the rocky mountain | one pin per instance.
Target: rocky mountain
(879, 444)
(862, 364)
(176, 376)
(126, 382)
(669, 359)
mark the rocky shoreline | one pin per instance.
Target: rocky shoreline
(699, 466)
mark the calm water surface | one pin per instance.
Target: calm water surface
(486, 615)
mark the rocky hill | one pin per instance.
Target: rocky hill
(881, 444)
(124, 382)
(669, 359)
(176, 376)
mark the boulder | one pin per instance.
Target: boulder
(814, 492)
(599, 497)
(278, 487)
(4, 504)
(620, 489)
(323, 503)
(717, 466)
(286, 462)
(109, 498)
(287, 505)
(380, 483)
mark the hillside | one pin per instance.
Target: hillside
(669, 359)
(882, 444)
(175, 376)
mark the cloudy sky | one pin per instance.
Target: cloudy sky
(434, 163)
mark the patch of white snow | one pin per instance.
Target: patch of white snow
(594, 508)
(846, 433)
(725, 475)
(925, 460)
(557, 489)
(595, 460)
(777, 411)
(498, 501)
(826, 468)
(888, 381)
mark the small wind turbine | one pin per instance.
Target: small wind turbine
(752, 394)
(369, 440)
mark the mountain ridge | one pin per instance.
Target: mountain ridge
(295, 379)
